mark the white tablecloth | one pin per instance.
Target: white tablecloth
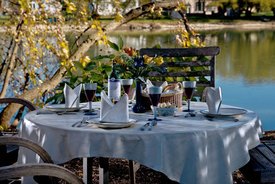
(190, 150)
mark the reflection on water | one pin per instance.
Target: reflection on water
(245, 67)
(247, 56)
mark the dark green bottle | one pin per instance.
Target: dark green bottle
(114, 85)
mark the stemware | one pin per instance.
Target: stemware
(155, 94)
(90, 90)
(189, 88)
(126, 84)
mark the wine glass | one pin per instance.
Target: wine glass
(189, 88)
(155, 94)
(90, 90)
(126, 84)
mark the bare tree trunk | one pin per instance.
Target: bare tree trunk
(10, 68)
(11, 58)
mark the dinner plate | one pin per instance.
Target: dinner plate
(62, 108)
(225, 112)
(110, 125)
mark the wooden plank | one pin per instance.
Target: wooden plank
(186, 64)
(268, 176)
(181, 74)
(268, 154)
(261, 167)
(179, 52)
(256, 155)
(270, 144)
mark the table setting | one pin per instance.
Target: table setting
(185, 144)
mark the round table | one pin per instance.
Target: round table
(195, 150)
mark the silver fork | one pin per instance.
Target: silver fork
(148, 125)
(83, 122)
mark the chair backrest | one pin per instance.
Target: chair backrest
(185, 64)
(19, 101)
(9, 153)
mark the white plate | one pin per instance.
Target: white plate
(225, 112)
(108, 125)
(62, 108)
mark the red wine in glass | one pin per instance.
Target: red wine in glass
(90, 94)
(126, 89)
(155, 94)
(90, 90)
(155, 99)
(126, 84)
(189, 88)
(189, 92)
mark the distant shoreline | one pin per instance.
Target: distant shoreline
(155, 26)
(158, 26)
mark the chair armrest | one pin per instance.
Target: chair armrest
(42, 169)
(27, 144)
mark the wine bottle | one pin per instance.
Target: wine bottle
(114, 85)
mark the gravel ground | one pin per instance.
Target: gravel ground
(119, 171)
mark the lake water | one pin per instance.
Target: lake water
(245, 67)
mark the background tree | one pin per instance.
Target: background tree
(247, 6)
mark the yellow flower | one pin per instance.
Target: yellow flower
(152, 9)
(159, 60)
(147, 59)
(70, 7)
(65, 52)
(1, 128)
(180, 6)
(73, 69)
(159, 11)
(95, 24)
(118, 17)
(119, 60)
(85, 60)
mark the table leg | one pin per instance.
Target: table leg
(103, 170)
(133, 167)
(88, 170)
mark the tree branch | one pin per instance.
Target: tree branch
(134, 13)
(11, 58)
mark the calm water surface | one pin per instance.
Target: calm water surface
(245, 67)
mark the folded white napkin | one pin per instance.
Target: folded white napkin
(213, 99)
(150, 84)
(114, 113)
(72, 95)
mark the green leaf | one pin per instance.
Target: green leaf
(157, 46)
(78, 65)
(120, 43)
(113, 45)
